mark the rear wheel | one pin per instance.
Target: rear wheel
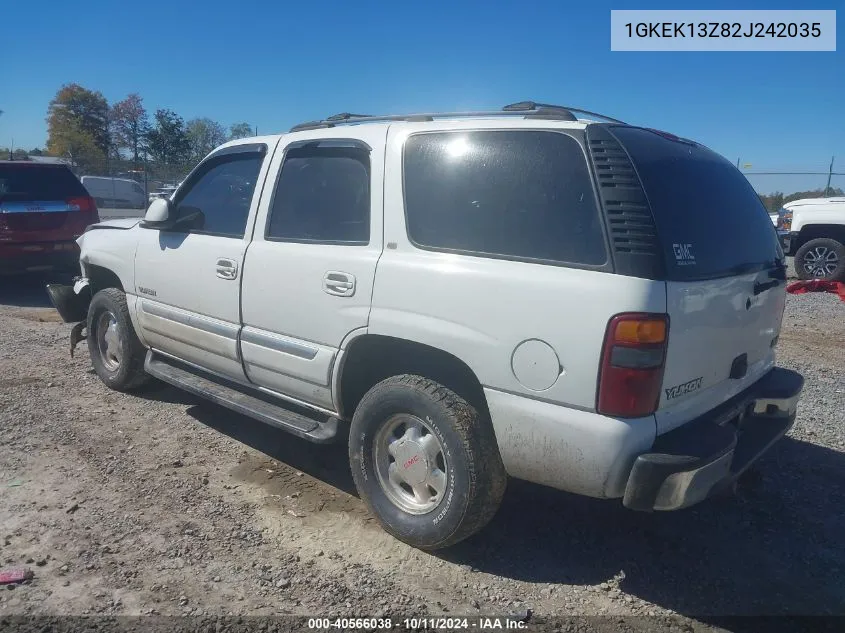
(425, 462)
(822, 258)
(116, 352)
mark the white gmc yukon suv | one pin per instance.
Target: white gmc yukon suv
(463, 297)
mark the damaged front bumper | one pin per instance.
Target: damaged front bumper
(687, 465)
(71, 302)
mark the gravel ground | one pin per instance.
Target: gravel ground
(164, 504)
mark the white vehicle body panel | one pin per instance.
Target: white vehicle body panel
(186, 309)
(578, 451)
(111, 245)
(711, 323)
(811, 211)
(293, 327)
(454, 303)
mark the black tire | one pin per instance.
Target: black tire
(475, 477)
(824, 250)
(127, 373)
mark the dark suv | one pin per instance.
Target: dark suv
(43, 210)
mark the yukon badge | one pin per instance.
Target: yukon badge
(683, 389)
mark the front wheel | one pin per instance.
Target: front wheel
(822, 258)
(425, 462)
(116, 352)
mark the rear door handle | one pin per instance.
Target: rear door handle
(227, 268)
(339, 283)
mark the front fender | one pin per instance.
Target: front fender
(113, 250)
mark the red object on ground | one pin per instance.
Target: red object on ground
(15, 574)
(817, 285)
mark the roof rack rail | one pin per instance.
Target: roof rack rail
(345, 116)
(311, 125)
(529, 106)
(527, 109)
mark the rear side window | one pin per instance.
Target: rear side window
(510, 194)
(322, 196)
(709, 219)
(25, 182)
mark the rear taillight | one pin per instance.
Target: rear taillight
(631, 371)
(784, 219)
(87, 209)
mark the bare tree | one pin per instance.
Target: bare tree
(130, 125)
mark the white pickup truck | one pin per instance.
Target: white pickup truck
(462, 297)
(813, 230)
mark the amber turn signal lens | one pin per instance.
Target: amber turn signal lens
(635, 331)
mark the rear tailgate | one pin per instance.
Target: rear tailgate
(42, 203)
(725, 280)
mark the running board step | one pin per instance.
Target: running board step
(321, 431)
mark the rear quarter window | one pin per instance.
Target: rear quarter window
(709, 220)
(25, 181)
(508, 194)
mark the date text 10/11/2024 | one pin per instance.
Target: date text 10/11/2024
(417, 624)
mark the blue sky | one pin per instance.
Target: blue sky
(276, 64)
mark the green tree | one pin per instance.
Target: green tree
(76, 145)
(203, 136)
(130, 125)
(168, 141)
(240, 130)
(36, 151)
(78, 118)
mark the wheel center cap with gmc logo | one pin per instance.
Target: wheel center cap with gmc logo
(412, 462)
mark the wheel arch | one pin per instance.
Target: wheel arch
(101, 277)
(814, 231)
(367, 359)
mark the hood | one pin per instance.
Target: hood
(813, 202)
(119, 223)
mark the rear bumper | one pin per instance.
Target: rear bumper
(686, 465)
(18, 258)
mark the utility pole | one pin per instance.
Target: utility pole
(829, 176)
(737, 163)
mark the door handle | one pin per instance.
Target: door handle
(227, 268)
(339, 284)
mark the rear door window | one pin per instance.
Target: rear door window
(322, 197)
(709, 219)
(27, 182)
(503, 193)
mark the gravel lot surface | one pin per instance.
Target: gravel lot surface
(163, 504)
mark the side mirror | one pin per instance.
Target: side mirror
(158, 211)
